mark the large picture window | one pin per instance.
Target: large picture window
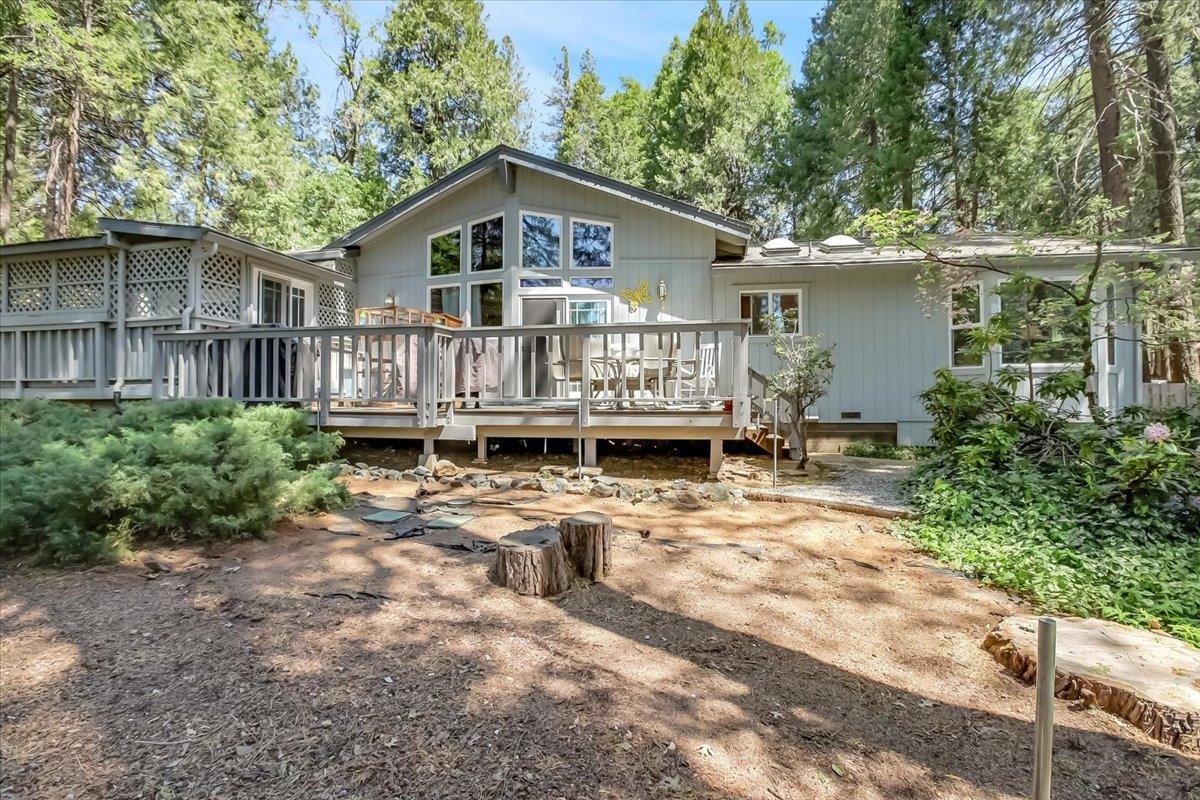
(487, 304)
(591, 244)
(966, 315)
(760, 307)
(487, 244)
(541, 241)
(587, 312)
(1042, 334)
(445, 300)
(445, 253)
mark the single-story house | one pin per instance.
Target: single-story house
(549, 273)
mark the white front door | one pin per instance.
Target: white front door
(283, 301)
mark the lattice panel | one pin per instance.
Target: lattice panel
(344, 267)
(29, 285)
(335, 305)
(156, 282)
(81, 281)
(221, 286)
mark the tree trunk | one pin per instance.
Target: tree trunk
(532, 562)
(1097, 14)
(587, 538)
(10, 155)
(1169, 199)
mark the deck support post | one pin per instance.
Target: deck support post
(481, 443)
(716, 454)
(427, 445)
(589, 452)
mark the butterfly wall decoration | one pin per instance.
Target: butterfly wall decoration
(635, 297)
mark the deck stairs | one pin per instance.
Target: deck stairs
(762, 428)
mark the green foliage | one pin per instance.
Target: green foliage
(80, 485)
(1087, 519)
(880, 450)
(802, 377)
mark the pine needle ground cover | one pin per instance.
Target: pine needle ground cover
(1084, 519)
(79, 485)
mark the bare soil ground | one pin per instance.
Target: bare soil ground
(835, 663)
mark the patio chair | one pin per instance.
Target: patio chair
(566, 365)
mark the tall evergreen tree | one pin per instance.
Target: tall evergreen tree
(442, 91)
(719, 105)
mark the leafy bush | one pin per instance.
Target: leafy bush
(80, 485)
(879, 450)
(1092, 519)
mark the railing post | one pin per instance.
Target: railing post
(326, 343)
(741, 377)
(157, 365)
(18, 362)
(585, 382)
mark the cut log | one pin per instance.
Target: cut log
(588, 540)
(532, 562)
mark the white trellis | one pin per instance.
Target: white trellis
(80, 282)
(221, 286)
(335, 305)
(156, 282)
(29, 286)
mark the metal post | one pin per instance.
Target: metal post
(775, 445)
(1043, 723)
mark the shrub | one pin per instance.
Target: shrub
(80, 485)
(1092, 519)
(879, 450)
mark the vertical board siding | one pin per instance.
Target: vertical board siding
(650, 245)
(885, 348)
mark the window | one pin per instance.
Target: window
(761, 306)
(281, 302)
(487, 304)
(965, 316)
(444, 300)
(487, 244)
(541, 241)
(591, 244)
(592, 283)
(270, 301)
(445, 253)
(1042, 334)
(540, 283)
(587, 312)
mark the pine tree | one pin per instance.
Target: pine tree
(442, 91)
(719, 105)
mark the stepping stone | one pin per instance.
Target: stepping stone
(449, 521)
(385, 516)
(1150, 679)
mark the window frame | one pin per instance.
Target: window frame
(289, 282)
(1037, 365)
(470, 286)
(521, 240)
(470, 267)
(429, 290)
(605, 301)
(429, 252)
(800, 293)
(966, 326)
(612, 245)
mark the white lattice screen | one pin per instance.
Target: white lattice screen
(344, 267)
(335, 305)
(81, 281)
(29, 285)
(156, 282)
(221, 286)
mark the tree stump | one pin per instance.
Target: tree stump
(588, 540)
(532, 562)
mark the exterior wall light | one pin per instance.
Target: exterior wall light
(662, 291)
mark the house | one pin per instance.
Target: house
(590, 309)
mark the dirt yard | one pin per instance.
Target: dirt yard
(832, 662)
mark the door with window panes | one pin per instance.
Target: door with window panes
(284, 302)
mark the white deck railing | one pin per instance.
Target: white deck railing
(433, 370)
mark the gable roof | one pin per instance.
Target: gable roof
(503, 155)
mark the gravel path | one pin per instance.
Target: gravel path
(875, 482)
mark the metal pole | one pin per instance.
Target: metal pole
(775, 445)
(1043, 723)
(579, 441)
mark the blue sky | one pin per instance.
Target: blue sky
(626, 37)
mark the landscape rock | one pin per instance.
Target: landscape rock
(602, 490)
(445, 469)
(155, 564)
(686, 498)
